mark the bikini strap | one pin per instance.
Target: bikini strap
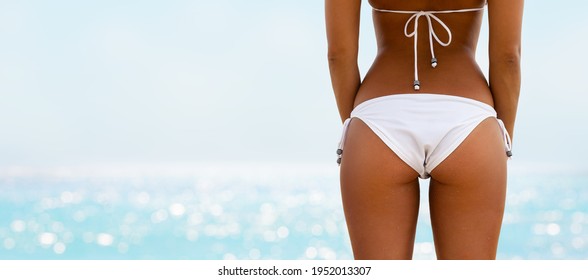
(431, 19)
(342, 141)
(507, 140)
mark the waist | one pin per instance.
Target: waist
(458, 75)
(394, 48)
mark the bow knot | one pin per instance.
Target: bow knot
(431, 19)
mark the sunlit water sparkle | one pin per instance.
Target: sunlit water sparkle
(245, 213)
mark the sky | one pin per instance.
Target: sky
(85, 82)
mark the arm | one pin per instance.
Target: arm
(342, 21)
(505, 21)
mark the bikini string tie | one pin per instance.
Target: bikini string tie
(507, 142)
(431, 19)
(432, 35)
(342, 142)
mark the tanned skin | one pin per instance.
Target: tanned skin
(380, 192)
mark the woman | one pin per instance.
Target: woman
(425, 109)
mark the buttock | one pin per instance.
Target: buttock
(422, 129)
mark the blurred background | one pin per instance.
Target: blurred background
(207, 130)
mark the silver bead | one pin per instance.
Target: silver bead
(417, 85)
(434, 62)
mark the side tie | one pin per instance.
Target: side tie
(507, 141)
(342, 141)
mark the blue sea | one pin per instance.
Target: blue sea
(246, 211)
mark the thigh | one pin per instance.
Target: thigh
(380, 197)
(467, 196)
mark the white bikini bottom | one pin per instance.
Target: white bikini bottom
(422, 129)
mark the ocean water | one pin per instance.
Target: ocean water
(245, 212)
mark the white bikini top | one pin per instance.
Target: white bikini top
(430, 15)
